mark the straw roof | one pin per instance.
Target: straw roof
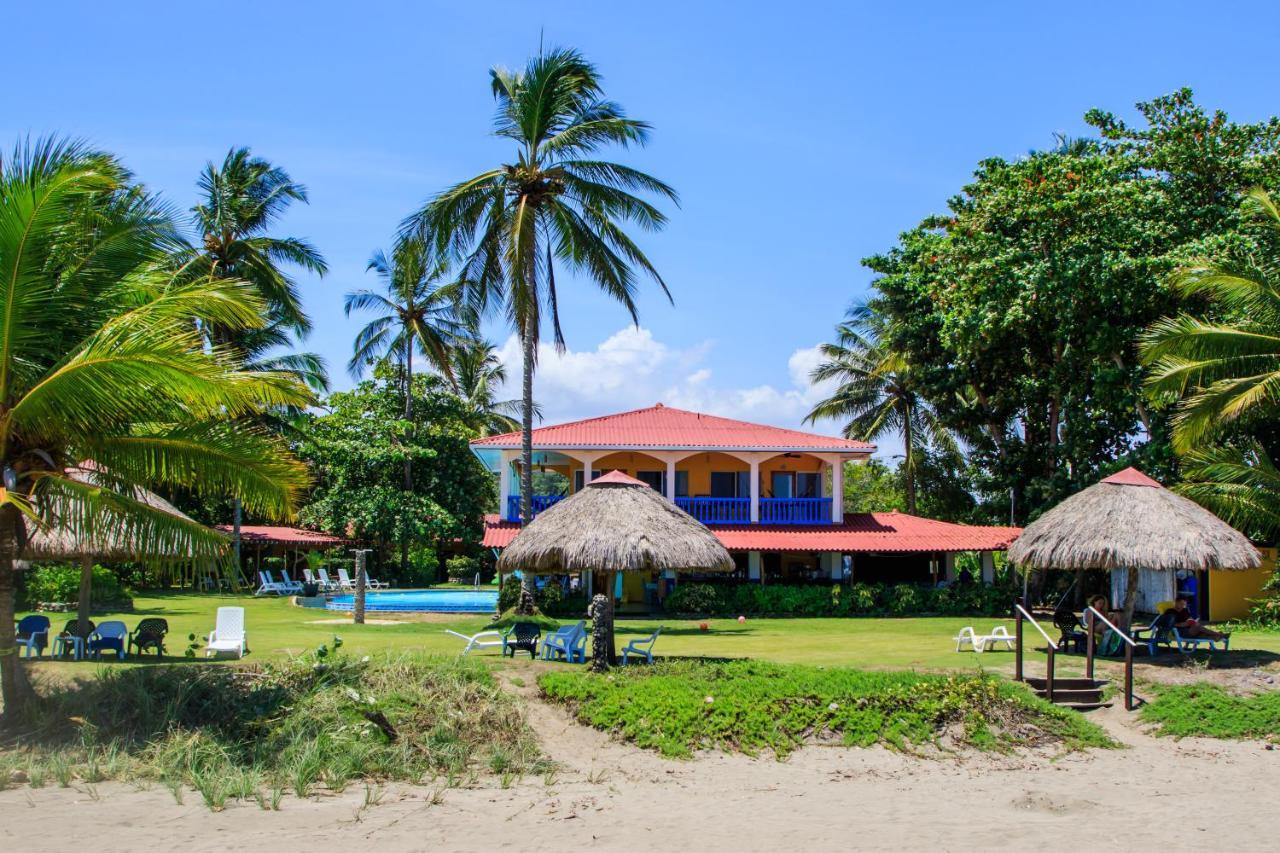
(1129, 520)
(615, 524)
(60, 543)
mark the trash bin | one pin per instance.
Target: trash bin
(311, 590)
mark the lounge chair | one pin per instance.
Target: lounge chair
(110, 636)
(642, 648)
(349, 584)
(326, 582)
(568, 643)
(1158, 633)
(228, 634)
(979, 642)
(75, 634)
(33, 633)
(149, 634)
(483, 640)
(1190, 644)
(266, 586)
(290, 587)
(522, 637)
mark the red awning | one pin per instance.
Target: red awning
(294, 536)
(860, 533)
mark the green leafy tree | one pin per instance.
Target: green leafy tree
(358, 448)
(100, 363)
(877, 394)
(554, 204)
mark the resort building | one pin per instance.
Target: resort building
(766, 492)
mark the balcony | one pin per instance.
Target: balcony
(795, 510)
(717, 510)
(540, 502)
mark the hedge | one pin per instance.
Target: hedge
(860, 599)
(59, 583)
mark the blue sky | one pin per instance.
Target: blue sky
(801, 136)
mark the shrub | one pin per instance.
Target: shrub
(859, 599)
(59, 583)
(424, 567)
(695, 599)
(462, 568)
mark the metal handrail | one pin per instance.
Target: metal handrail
(1105, 621)
(1047, 639)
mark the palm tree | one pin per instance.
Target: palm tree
(417, 310)
(240, 201)
(876, 392)
(1240, 484)
(99, 360)
(477, 374)
(1222, 371)
(553, 204)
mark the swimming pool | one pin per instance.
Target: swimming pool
(421, 601)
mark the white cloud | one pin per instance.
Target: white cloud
(631, 369)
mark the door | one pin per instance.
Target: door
(783, 484)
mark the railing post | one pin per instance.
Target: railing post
(1017, 623)
(1048, 681)
(1128, 677)
(1088, 666)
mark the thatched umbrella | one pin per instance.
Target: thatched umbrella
(63, 543)
(615, 524)
(1130, 521)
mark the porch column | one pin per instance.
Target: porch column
(504, 483)
(988, 568)
(755, 491)
(587, 460)
(950, 563)
(835, 565)
(671, 479)
(753, 567)
(837, 491)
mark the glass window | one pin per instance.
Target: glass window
(783, 484)
(682, 484)
(656, 480)
(724, 484)
(808, 484)
(577, 478)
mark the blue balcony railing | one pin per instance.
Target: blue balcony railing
(717, 510)
(540, 502)
(795, 510)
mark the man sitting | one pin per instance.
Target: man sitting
(1188, 625)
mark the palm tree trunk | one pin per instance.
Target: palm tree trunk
(526, 448)
(14, 690)
(237, 512)
(1130, 597)
(86, 588)
(909, 461)
(408, 463)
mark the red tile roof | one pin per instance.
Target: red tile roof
(266, 534)
(862, 532)
(1132, 477)
(664, 427)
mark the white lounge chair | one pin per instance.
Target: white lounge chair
(228, 634)
(483, 640)
(328, 584)
(349, 584)
(289, 587)
(266, 586)
(979, 642)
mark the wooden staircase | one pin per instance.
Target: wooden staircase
(1078, 694)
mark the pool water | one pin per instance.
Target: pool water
(421, 601)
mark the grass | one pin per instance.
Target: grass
(249, 733)
(1207, 710)
(680, 707)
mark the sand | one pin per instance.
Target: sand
(1158, 794)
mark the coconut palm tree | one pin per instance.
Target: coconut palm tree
(477, 374)
(100, 360)
(240, 202)
(552, 205)
(417, 311)
(876, 392)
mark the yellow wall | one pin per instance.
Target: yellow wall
(700, 467)
(1229, 592)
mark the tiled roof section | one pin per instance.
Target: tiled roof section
(283, 535)
(1132, 477)
(664, 427)
(865, 532)
(617, 478)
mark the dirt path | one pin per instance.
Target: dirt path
(610, 796)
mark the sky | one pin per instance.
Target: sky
(801, 136)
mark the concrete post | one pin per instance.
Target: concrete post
(753, 567)
(837, 491)
(988, 568)
(755, 491)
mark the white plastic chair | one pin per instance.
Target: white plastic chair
(287, 586)
(979, 642)
(228, 634)
(483, 640)
(326, 582)
(267, 586)
(349, 584)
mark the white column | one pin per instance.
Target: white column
(755, 491)
(950, 567)
(671, 480)
(837, 491)
(988, 568)
(753, 566)
(504, 483)
(835, 566)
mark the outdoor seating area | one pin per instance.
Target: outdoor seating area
(568, 643)
(78, 640)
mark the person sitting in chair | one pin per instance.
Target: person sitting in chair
(1188, 625)
(1106, 641)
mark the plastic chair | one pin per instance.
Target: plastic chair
(149, 634)
(33, 633)
(641, 648)
(110, 636)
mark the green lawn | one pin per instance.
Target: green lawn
(277, 630)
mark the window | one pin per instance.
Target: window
(682, 484)
(656, 480)
(730, 484)
(577, 478)
(782, 484)
(808, 484)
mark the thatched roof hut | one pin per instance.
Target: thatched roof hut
(1129, 520)
(616, 524)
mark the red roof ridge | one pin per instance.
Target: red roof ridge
(1132, 477)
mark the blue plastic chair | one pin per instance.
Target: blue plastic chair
(33, 633)
(642, 648)
(568, 642)
(109, 636)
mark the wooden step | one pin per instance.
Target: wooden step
(1083, 706)
(1037, 683)
(1063, 696)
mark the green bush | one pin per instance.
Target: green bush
(59, 583)
(424, 567)
(859, 599)
(550, 599)
(462, 568)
